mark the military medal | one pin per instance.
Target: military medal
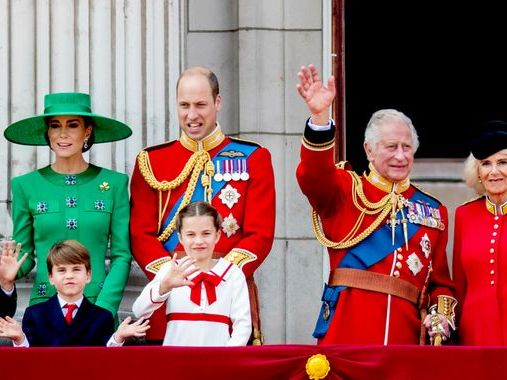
(230, 225)
(421, 213)
(414, 263)
(229, 196)
(236, 168)
(244, 173)
(218, 175)
(425, 244)
(227, 170)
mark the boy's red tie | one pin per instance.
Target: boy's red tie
(70, 309)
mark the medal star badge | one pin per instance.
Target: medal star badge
(230, 225)
(414, 264)
(229, 196)
(426, 245)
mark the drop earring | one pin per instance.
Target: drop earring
(85, 145)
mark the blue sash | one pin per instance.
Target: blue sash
(171, 243)
(370, 251)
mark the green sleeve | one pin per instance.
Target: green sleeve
(114, 284)
(22, 222)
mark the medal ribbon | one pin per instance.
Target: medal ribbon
(171, 243)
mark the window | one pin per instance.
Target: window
(441, 64)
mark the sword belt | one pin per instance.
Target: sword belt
(375, 282)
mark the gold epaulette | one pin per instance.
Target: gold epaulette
(155, 266)
(240, 257)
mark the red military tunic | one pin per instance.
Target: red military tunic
(248, 231)
(480, 249)
(363, 316)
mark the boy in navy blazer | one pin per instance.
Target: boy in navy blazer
(68, 318)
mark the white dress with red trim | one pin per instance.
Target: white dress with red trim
(215, 312)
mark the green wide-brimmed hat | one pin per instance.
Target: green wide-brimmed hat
(32, 130)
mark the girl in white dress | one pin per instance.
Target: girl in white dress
(206, 299)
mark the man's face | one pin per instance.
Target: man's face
(197, 111)
(393, 156)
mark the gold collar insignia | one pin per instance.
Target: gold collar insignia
(383, 184)
(211, 141)
(492, 208)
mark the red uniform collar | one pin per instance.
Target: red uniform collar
(494, 209)
(208, 143)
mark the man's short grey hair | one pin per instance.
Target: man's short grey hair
(371, 134)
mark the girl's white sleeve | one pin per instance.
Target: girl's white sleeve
(240, 310)
(150, 299)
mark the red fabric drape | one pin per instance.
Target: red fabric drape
(279, 362)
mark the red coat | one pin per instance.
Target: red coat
(254, 212)
(361, 316)
(480, 249)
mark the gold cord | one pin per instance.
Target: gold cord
(200, 161)
(382, 208)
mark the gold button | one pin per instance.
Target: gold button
(399, 249)
(495, 226)
(491, 250)
(492, 282)
(492, 271)
(496, 217)
(400, 256)
(396, 273)
(398, 265)
(495, 233)
(492, 261)
(492, 241)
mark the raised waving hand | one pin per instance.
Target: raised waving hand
(317, 96)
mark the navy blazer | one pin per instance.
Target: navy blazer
(7, 303)
(44, 325)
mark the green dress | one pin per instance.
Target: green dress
(91, 207)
